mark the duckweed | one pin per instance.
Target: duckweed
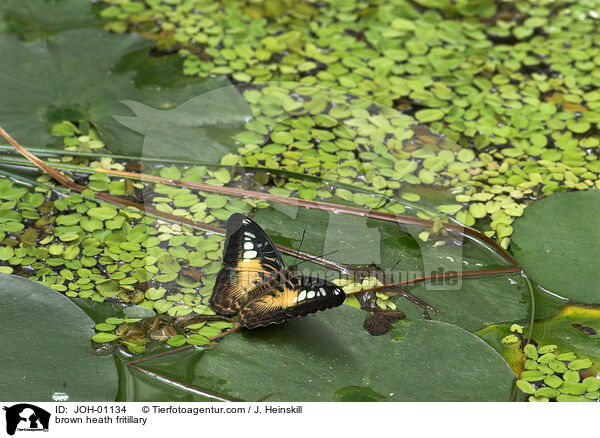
(349, 82)
(557, 376)
(524, 122)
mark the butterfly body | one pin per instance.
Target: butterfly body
(255, 284)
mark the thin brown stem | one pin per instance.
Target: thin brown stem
(407, 220)
(446, 275)
(339, 267)
(318, 205)
(57, 175)
(62, 179)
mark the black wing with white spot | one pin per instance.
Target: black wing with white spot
(251, 260)
(245, 239)
(300, 296)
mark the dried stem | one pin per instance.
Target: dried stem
(443, 276)
(62, 179)
(318, 205)
(339, 267)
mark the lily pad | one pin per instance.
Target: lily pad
(82, 67)
(319, 357)
(46, 347)
(174, 370)
(477, 302)
(202, 128)
(557, 242)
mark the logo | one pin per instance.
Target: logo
(26, 417)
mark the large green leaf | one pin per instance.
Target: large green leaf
(46, 347)
(175, 370)
(329, 356)
(74, 77)
(470, 303)
(474, 303)
(199, 129)
(557, 242)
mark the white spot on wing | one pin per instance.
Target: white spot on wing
(250, 254)
(248, 245)
(249, 234)
(335, 291)
(302, 296)
(322, 290)
(311, 294)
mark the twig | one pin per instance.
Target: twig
(62, 179)
(318, 205)
(275, 198)
(446, 275)
(280, 199)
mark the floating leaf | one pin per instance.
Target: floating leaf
(102, 212)
(532, 376)
(530, 351)
(571, 376)
(525, 386)
(59, 334)
(85, 86)
(593, 384)
(429, 115)
(547, 392)
(104, 327)
(553, 381)
(104, 337)
(579, 364)
(573, 388)
(510, 339)
(315, 357)
(547, 349)
(556, 241)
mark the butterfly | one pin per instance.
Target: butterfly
(255, 285)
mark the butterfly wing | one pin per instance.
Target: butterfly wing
(250, 257)
(298, 297)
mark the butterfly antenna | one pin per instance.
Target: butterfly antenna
(298, 250)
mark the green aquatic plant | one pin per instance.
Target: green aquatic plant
(550, 375)
(526, 116)
(329, 105)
